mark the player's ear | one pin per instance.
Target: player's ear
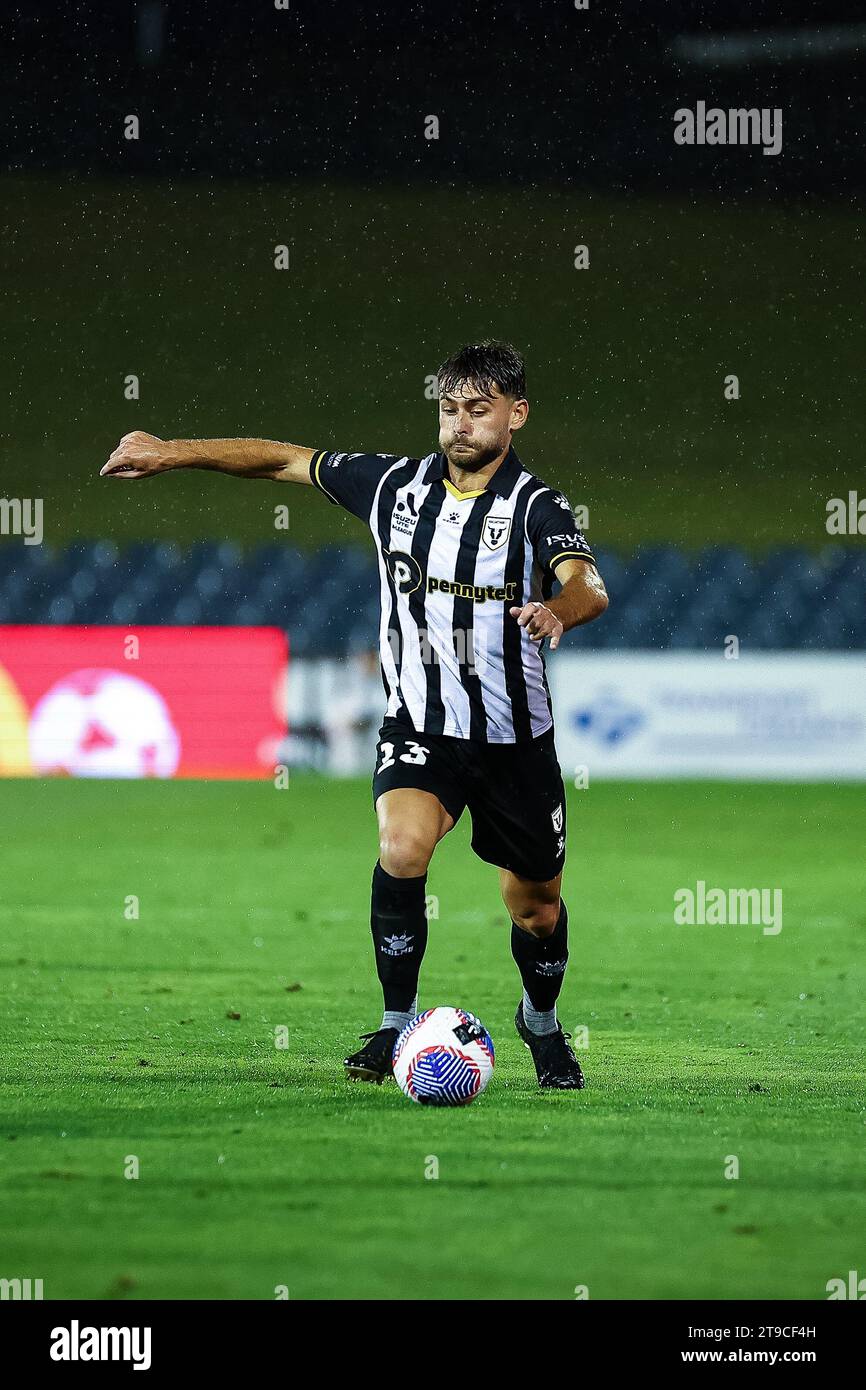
(519, 413)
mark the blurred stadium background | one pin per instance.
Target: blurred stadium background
(153, 259)
(183, 626)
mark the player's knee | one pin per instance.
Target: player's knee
(539, 919)
(403, 852)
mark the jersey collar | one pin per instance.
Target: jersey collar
(502, 482)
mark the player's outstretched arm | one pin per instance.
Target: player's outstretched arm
(140, 455)
(582, 599)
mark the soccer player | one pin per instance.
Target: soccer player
(469, 543)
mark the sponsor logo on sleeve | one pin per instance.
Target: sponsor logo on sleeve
(574, 539)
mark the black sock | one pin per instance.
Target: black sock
(398, 919)
(542, 961)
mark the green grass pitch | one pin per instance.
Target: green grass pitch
(261, 1167)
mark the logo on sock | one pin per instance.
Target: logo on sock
(551, 967)
(397, 945)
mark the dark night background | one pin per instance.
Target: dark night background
(305, 127)
(526, 92)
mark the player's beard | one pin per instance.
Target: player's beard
(474, 461)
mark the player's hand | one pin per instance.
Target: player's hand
(539, 623)
(138, 455)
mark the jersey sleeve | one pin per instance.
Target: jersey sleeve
(350, 480)
(554, 533)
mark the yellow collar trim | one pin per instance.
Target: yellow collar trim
(462, 496)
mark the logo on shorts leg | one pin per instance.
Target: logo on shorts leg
(397, 945)
(556, 817)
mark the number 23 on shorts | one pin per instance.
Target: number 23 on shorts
(417, 755)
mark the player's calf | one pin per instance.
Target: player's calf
(541, 960)
(540, 952)
(398, 922)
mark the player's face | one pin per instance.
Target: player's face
(475, 429)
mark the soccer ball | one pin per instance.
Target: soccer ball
(443, 1057)
(103, 723)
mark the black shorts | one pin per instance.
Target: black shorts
(514, 792)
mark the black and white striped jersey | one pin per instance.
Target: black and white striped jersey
(451, 565)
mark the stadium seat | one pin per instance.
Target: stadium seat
(661, 597)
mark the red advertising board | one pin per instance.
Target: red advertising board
(141, 702)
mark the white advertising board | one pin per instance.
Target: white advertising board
(778, 716)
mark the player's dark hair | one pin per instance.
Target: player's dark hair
(484, 365)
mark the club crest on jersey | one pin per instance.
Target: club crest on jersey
(496, 531)
(556, 817)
